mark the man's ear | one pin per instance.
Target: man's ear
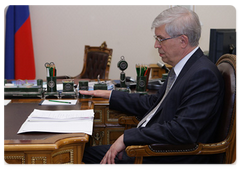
(184, 41)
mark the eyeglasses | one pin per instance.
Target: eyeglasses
(160, 40)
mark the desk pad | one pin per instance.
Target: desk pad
(16, 113)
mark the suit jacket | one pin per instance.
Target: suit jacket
(188, 114)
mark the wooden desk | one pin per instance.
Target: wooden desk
(44, 148)
(52, 148)
(31, 148)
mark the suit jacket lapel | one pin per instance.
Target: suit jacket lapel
(184, 70)
(189, 63)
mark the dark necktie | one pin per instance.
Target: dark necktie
(171, 79)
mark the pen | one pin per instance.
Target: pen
(145, 73)
(146, 70)
(138, 69)
(59, 101)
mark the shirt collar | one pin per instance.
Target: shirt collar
(178, 67)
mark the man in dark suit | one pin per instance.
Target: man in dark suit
(183, 111)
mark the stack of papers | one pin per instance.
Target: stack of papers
(60, 121)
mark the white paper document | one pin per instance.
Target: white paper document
(59, 121)
(59, 102)
(6, 102)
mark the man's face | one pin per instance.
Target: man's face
(169, 50)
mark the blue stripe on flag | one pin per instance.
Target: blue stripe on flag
(15, 18)
(9, 44)
(21, 15)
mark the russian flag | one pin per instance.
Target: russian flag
(19, 56)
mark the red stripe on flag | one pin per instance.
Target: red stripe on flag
(24, 56)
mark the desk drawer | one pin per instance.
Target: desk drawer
(99, 115)
(104, 115)
(15, 157)
(112, 134)
(112, 116)
(106, 128)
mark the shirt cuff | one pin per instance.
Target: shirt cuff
(110, 96)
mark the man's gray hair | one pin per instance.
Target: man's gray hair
(180, 20)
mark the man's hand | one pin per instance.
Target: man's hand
(98, 93)
(117, 148)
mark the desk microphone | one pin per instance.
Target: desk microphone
(162, 65)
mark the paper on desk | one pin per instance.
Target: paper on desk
(47, 102)
(61, 121)
(6, 102)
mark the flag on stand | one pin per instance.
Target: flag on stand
(19, 56)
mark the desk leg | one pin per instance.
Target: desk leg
(80, 152)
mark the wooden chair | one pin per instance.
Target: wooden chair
(225, 141)
(97, 61)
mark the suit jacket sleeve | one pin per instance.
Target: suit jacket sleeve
(135, 104)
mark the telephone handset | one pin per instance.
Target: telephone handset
(162, 65)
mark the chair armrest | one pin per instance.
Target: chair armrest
(162, 150)
(176, 150)
(173, 148)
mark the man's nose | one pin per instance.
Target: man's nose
(157, 44)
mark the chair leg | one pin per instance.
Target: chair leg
(138, 160)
